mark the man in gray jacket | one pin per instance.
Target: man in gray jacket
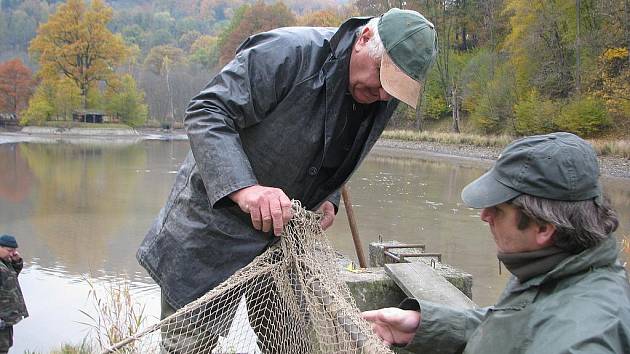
(553, 231)
(290, 117)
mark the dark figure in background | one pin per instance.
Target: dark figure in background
(12, 306)
(553, 231)
(290, 117)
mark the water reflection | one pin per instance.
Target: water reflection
(80, 210)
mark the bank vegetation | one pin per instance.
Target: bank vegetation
(504, 68)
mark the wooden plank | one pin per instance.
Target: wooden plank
(419, 280)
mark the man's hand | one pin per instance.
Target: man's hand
(393, 325)
(268, 207)
(15, 256)
(328, 211)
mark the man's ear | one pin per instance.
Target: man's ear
(544, 235)
(365, 36)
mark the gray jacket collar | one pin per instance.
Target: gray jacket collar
(604, 254)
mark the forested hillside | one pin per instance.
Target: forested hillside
(504, 66)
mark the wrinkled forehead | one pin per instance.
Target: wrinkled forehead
(10, 249)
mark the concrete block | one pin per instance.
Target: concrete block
(460, 279)
(372, 289)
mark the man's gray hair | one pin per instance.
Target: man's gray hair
(374, 45)
(579, 224)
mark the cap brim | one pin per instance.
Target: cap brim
(486, 191)
(396, 83)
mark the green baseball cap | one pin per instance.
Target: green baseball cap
(410, 43)
(557, 166)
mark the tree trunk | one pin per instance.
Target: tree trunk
(627, 21)
(577, 48)
(455, 105)
(84, 97)
(171, 111)
(419, 123)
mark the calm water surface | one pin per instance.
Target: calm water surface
(79, 210)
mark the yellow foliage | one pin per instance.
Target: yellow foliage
(76, 43)
(615, 53)
(612, 84)
(321, 18)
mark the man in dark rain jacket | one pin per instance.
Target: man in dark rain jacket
(12, 306)
(553, 231)
(290, 117)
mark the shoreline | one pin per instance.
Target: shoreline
(610, 166)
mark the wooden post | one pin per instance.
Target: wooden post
(345, 194)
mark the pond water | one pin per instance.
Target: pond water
(79, 209)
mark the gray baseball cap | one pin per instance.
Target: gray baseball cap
(557, 166)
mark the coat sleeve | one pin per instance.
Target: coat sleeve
(18, 265)
(442, 329)
(241, 95)
(334, 198)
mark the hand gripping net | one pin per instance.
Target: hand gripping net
(290, 299)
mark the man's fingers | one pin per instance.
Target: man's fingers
(287, 209)
(254, 213)
(281, 212)
(326, 221)
(328, 214)
(383, 315)
(276, 215)
(265, 214)
(370, 316)
(383, 332)
(269, 208)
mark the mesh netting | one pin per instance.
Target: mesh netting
(290, 299)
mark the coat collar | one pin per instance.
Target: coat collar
(339, 41)
(602, 255)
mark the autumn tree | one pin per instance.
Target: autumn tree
(52, 100)
(204, 52)
(218, 10)
(161, 60)
(540, 46)
(127, 103)
(322, 18)
(76, 43)
(16, 86)
(377, 7)
(249, 20)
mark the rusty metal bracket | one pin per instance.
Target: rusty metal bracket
(401, 257)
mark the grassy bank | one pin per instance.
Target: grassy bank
(603, 147)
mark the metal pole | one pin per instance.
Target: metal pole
(345, 194)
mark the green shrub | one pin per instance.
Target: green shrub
(127, 103)
(535, 115)
(491, 103)
(584, 117)
(39, 110)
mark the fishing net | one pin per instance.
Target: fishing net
(290, 299)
